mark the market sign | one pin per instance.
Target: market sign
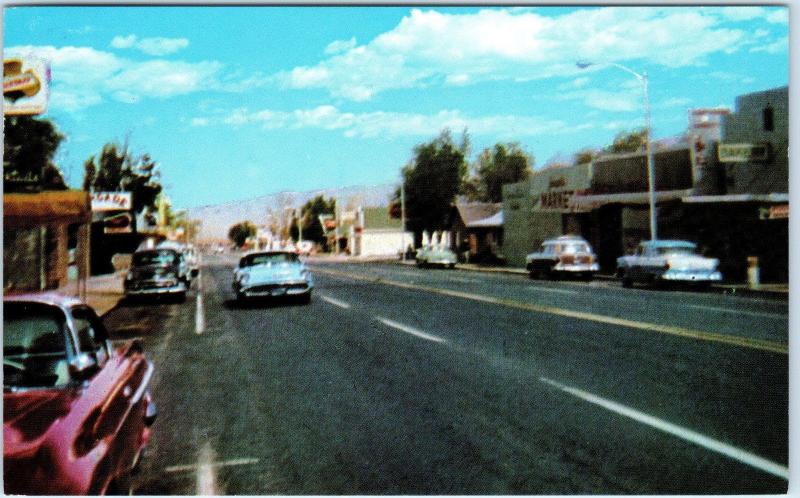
(743, 153)
(26, 86)
(111, 201)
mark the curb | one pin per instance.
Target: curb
(731, 290)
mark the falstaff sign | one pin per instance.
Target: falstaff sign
(111, 201)
(26, 85)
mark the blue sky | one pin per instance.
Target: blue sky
(237, 102)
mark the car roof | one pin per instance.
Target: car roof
(51, 298)
(565, 238)
(157, 249)
(668, 243)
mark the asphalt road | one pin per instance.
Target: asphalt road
(396, 380)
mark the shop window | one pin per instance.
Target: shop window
(769, 118)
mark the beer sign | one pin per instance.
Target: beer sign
(26, 86)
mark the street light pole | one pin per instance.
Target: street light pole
(403, 220)
(651, 175)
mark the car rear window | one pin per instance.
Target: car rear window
(263, 259)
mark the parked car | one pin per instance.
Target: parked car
(187, 252)
(565, 255)
(272, 274)
(436, 256)
(76, 412)
(157, 272)
(657, 261)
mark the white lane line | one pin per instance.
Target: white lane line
(226, 463)
(549, 289)
(410, 330)
(778, 316)
(206, 475)
(200, 316)
(336, 302)
(689, 435)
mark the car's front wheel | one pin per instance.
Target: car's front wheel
(305, 298)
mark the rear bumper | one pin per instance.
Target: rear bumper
(691, 276)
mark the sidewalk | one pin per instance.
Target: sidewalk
(103, 292)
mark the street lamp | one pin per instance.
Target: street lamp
(651, 176)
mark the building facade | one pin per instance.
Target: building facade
(724, 185)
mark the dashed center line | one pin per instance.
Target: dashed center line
(200, 318)
(336, 302)
(689, 435)
(548, 289)
(410, 330)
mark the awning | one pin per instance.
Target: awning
(589, 202)
(61, 206)
(493, 221)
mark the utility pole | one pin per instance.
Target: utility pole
(403, 220)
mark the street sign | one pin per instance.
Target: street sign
(26, 86)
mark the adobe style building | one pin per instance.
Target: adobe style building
(725, 186)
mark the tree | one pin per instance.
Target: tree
(309, 218)
(29, 147)
(633, 141)
(432, 181)
(585, 155)
(116, 170)
(505, 164)
(240, 232)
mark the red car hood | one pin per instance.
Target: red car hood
(27, 415)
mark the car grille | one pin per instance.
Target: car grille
(270, 287)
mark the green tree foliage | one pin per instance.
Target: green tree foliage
(116, 170)
(29, 146)
(633, 141)
(240, 232)
(309, 218)
(432, 182)
(505, 164)
(586, 155)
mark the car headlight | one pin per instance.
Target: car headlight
(243, 278)
(129, 276)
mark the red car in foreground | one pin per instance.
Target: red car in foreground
(76, 412)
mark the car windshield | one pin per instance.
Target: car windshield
(158, 257)
(675, 251)
(34, 347)
(574, 248)
(269, 258)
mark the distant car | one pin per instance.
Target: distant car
(565, 255)
(436, 256)
(272, 274)
(187, 252)
(157, 272)
(76, 412)
(657, 261)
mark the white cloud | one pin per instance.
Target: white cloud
(391, 124)
(82, 76)
(151, 46)
(515, 44)
(123, 41)
(162, 46)
(778, 16)
(776, 47)
(340, 46)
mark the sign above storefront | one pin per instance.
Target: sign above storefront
(111, 201)
(743, 153)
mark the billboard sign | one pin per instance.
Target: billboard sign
(26, 85)
(118, 223)
(111, 201)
